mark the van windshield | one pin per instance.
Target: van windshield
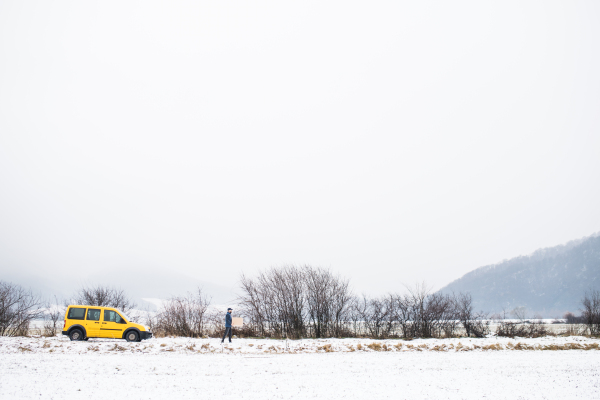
(113, 316)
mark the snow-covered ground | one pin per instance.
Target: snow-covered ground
(180, 368)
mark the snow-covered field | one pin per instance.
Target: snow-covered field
(180, 368)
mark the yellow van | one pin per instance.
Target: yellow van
(84, 322)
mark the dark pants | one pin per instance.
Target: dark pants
(227, 332)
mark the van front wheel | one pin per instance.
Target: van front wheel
(76, 334)
(132, 336)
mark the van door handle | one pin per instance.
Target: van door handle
(104, 322)
(96, 322)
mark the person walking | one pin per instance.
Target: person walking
(227, 325)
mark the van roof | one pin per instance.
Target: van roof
(88, 306)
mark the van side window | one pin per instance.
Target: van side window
(111, 316)
(93, 314)
(76, 313)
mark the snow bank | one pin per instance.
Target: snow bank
(62, 345)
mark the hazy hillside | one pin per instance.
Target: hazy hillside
(548, 282)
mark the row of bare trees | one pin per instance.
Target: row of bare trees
(306, 301)
(296, 302)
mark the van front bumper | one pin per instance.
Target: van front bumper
(145, 335)
(66, 333)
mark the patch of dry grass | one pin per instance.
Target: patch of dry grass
(495, 346)
(374, 346)
(191, 347)
(117, 348)
(327, 348)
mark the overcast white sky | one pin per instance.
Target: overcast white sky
(391, 141)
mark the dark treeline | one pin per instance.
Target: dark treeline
(297, 302)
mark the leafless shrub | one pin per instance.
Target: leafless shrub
(150, 321)
(521, 327)
(182, 316)
(474, 323)
(18, 307)
(52, 316)
(377, 315)
(423, 314)
(104, 296)
(591, 311)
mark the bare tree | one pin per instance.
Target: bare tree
(252, 305)
(519, 313)
(104, 296)
(378, 315)
(18, 307)
(591, 311)
(328, 298)
(285, 288)
(474, 323)
(183, 316)
(52, 316)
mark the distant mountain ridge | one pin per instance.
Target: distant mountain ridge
(549, 282)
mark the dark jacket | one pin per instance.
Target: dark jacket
(227, 320)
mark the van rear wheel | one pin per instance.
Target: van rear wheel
(132, 336)
(76, 334)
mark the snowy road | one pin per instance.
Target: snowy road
(572, 374)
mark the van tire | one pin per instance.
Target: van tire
(132, 336)
(76, 335)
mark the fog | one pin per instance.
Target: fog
(392, 142)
